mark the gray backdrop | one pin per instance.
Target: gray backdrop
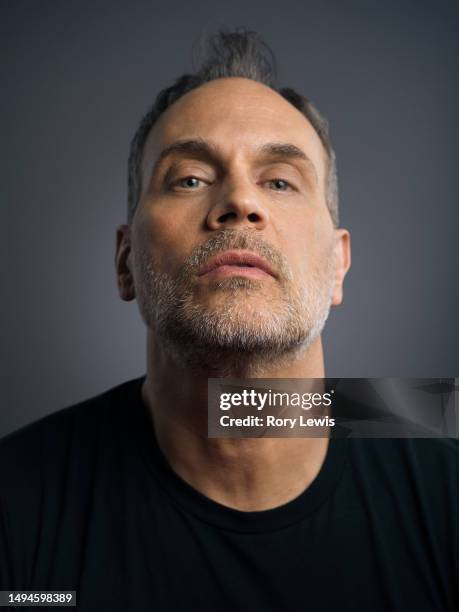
(78, 76)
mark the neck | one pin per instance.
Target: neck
(245, 473)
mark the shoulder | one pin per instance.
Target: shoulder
(421, 467)
(434, 462)
(430, 453)
(44, 445)
(48, 468)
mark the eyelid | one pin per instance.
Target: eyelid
(187, 167)
(180, 171)
(286, 171)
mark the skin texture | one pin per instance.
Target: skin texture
(218, 325)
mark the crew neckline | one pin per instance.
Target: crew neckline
(211, 512)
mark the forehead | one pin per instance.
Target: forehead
(238, 116)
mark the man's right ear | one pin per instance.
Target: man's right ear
(124, 275)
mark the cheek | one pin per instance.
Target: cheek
(160, 236)
(307, 245)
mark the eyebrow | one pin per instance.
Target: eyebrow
(199, 147)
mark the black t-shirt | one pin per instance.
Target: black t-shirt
(88, 503)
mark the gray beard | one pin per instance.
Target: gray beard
(235, 336)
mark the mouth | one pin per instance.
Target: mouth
(237, 263)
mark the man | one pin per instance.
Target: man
(233, 253)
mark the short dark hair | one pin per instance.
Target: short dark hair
(240, 53)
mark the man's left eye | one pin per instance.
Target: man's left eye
(280, 185)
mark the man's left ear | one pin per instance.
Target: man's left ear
(342, 250)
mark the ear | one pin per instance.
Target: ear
(123, 265)
(342, 250)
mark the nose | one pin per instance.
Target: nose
(239, 205)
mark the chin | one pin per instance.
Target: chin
(237, 293)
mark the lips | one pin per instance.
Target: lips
(238, 258)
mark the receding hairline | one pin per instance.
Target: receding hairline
(199, 144)
(196, 91)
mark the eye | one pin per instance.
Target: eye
(279, 185)
(189, 182)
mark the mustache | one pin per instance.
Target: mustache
(224, 240)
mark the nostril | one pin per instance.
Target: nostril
(226, 216)
(252, 217)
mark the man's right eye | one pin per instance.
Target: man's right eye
(189, 182)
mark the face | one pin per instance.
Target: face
(232, 247)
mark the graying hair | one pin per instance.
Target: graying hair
(231, 54)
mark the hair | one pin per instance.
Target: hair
(240, 53)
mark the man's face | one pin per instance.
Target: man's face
(232, 171)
